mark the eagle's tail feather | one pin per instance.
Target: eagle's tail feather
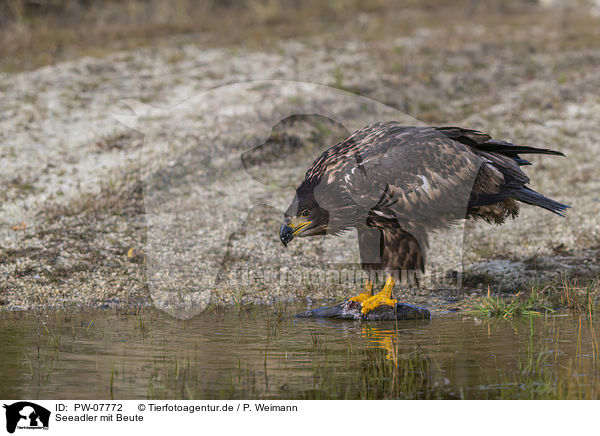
(504, 147)
(530, 196)
(484, 142)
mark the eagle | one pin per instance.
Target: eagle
(394, 184)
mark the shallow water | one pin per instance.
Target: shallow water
(264, 352)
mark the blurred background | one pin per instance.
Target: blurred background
(39, 32)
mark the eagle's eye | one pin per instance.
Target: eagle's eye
(305, 213)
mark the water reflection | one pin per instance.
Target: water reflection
(260, 352)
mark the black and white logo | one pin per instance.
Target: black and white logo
(26, 415)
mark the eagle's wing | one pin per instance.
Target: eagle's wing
(412, 173)
(425, 176)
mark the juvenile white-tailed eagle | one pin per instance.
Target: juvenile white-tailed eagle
(394, 183)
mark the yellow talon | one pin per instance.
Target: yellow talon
(380, 299)
(366, 294)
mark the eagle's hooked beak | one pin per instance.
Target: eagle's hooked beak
(286, 234)
(290, 228)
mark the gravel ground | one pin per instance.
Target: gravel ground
(124, 183)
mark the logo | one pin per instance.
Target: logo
(26, 415)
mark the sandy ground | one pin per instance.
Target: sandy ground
(113, 202)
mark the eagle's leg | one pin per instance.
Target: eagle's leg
(366, 294)
(382, 298)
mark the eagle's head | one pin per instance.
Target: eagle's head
(304, 217)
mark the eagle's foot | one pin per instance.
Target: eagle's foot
(376, 301)
(380, 299)
(365, 295)
(361, 298)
